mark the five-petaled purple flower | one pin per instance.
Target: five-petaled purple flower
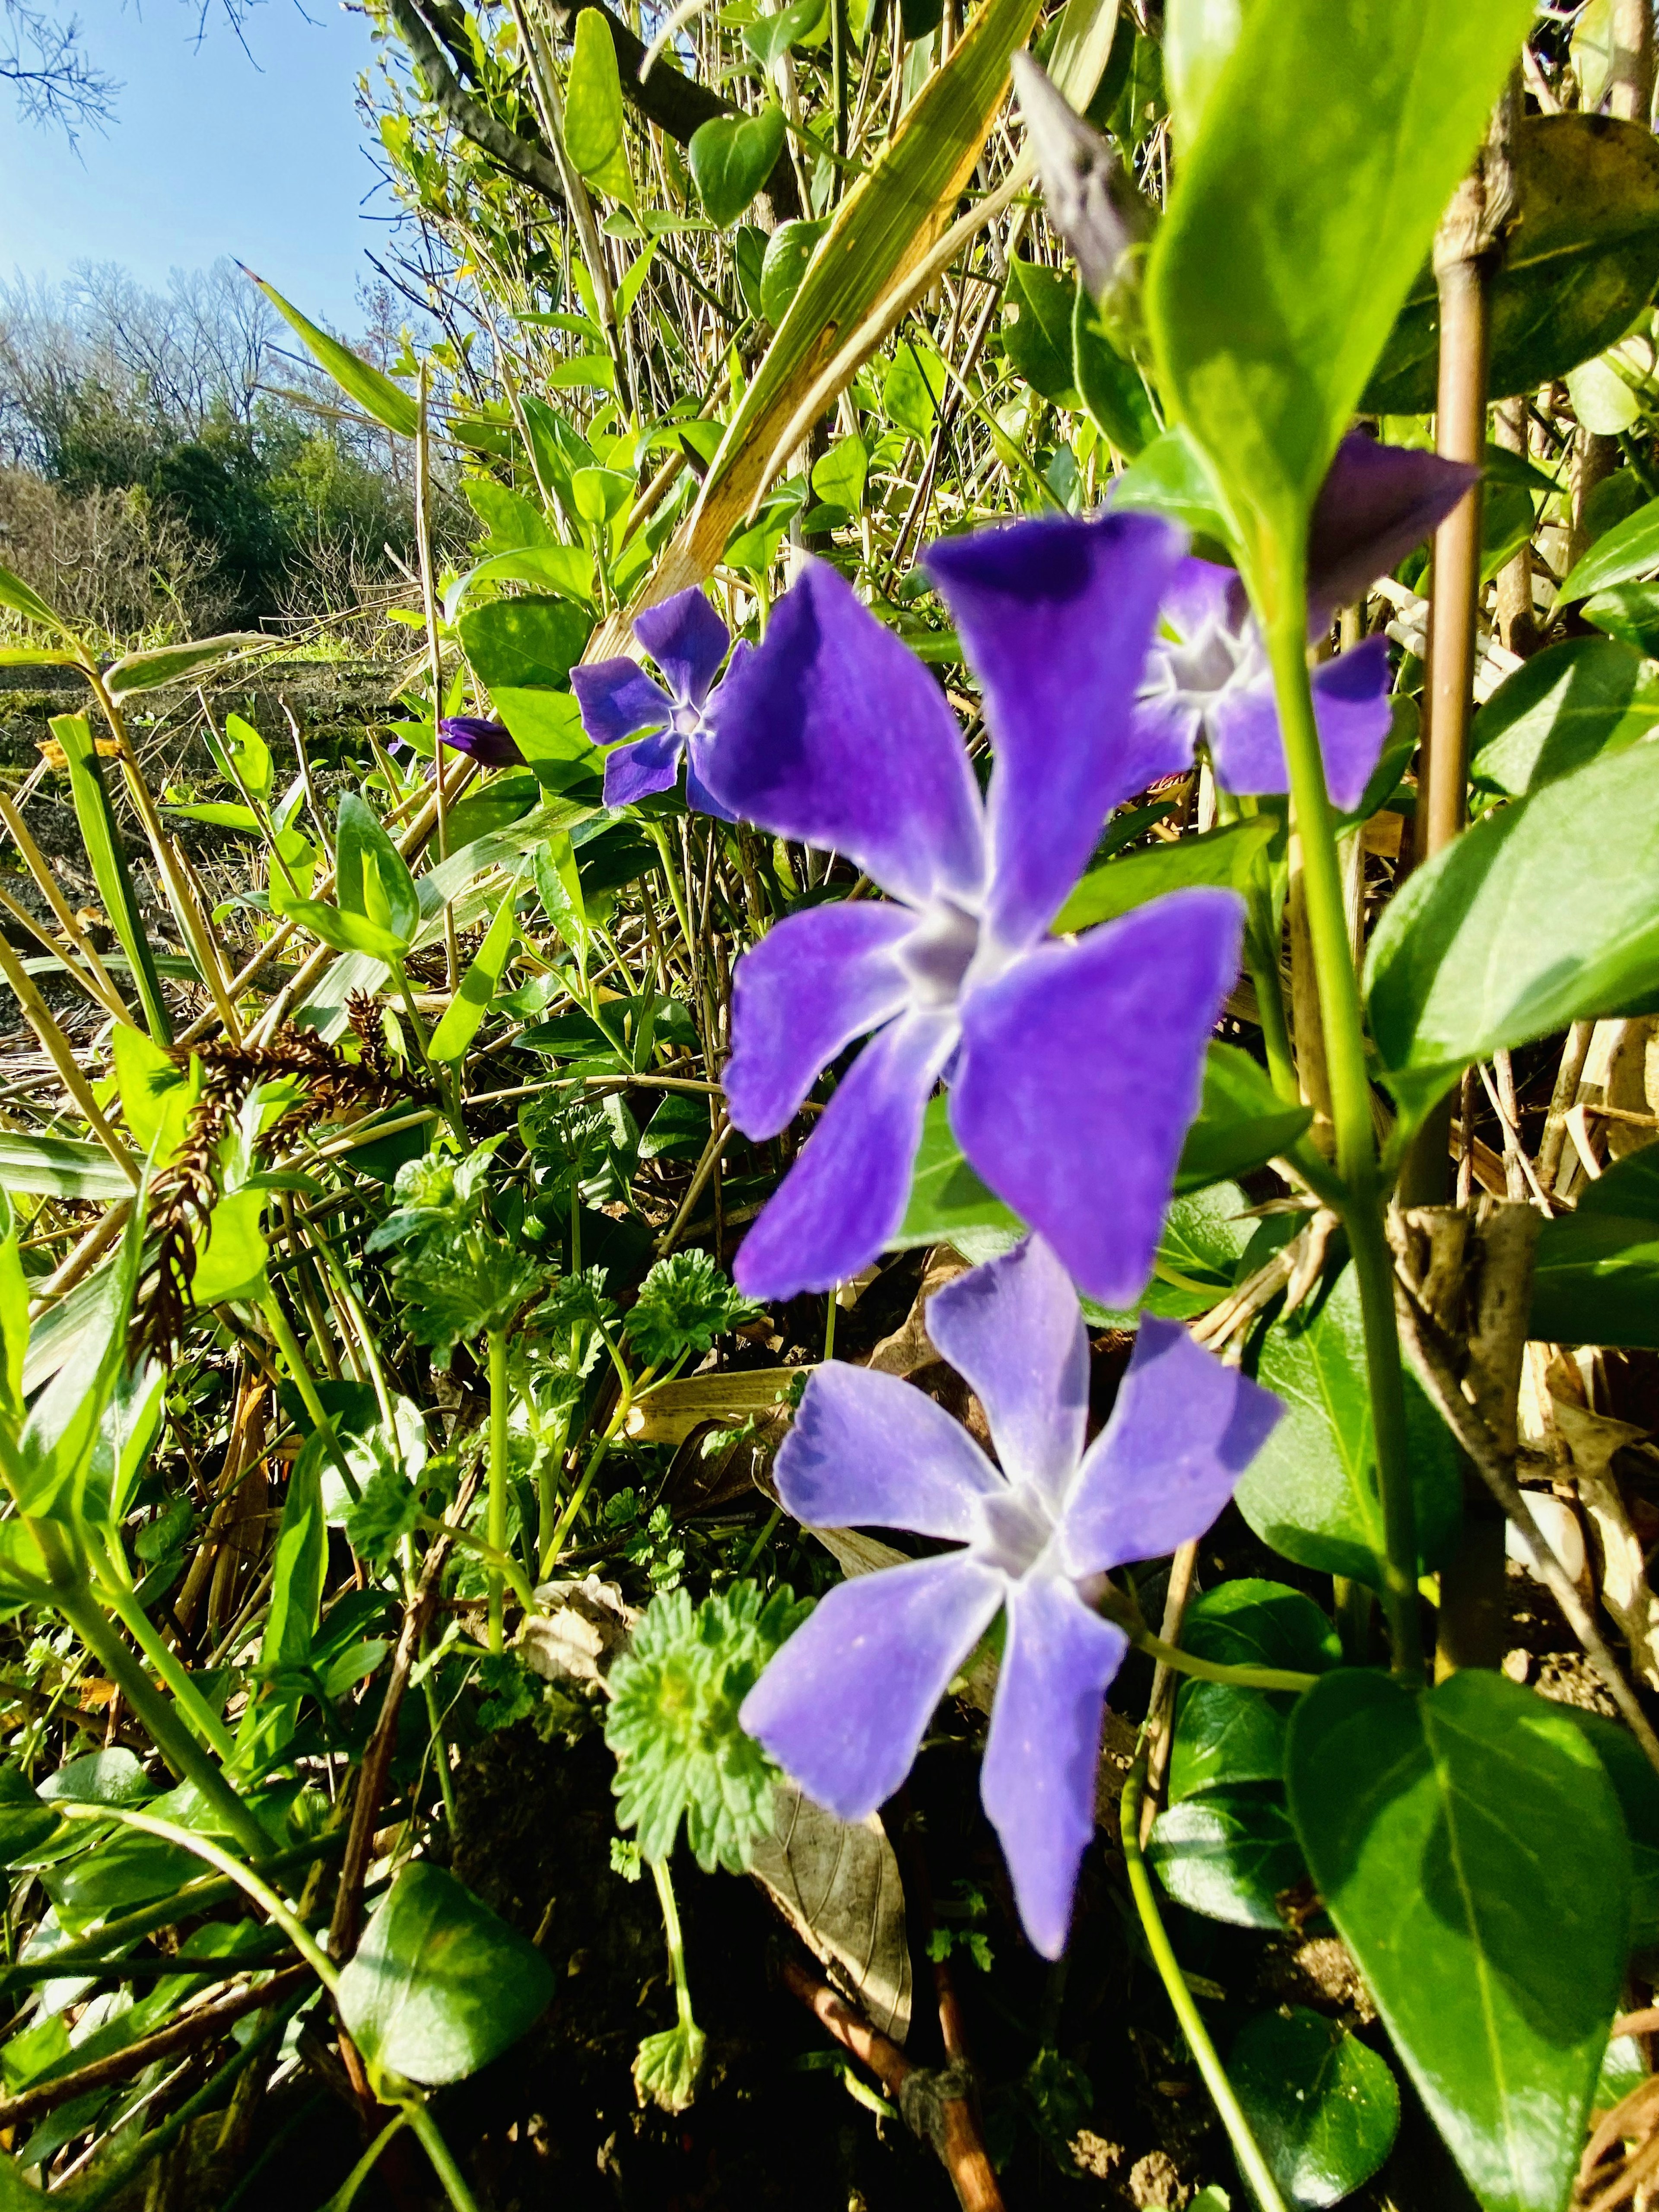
(844, 1704)
(1211, 677)
(1075, 1068)
(688, 642)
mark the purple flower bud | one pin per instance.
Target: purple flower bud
(488, 742)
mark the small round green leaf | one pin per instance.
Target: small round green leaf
(1230, 1855)
(731, 157)
(1324, 2108)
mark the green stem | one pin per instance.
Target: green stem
(443, 2165)
(1262, 966)
(345, 2195)
(186, 1757)
(671, 1924)
(497, 1523)
(596, 1460)
(178, 1678)
(293, 1359)
(1252, 2164)
(1351, 1114)
(1210, 1670)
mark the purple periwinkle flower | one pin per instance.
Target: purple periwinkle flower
(844, 1704)
(1207, 675)
(490, 743)
(1075, 1068)
(687, 641)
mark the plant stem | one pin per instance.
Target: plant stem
(1254, 2168)
(443, 2165)
(346, 2195)
(596, 1460)
(180, 1683)
(497, 1341)
(170, 1737)
(670, 1925)
(1351, 1114)
(1211, 1670)
(295, 1360)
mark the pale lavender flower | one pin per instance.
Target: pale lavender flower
(844, 1704)
(687, 641)
(1075, 1068)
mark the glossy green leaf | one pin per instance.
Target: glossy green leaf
(1636, 1786)
(531, 643)
(1299, 221)
(371, 876)
(1230, 1855)
(839, 477)
(1250, 1622)
(1567, 705)
(1110, 387)
(471, 1003)
(377, 395)
(1226, 857)
(100, 1778)
(106, 849)
(1471, 1851)
(1225, 1737)
(1629, 612)
(565, 570)
(915, 388)
(439, 1985)
(789, 250)
(799, 24)
(123, 1869)
(1171, 478)
(594, 128)
(1198, 35)
(1581, 264)
(1242, 1122)
(1540, 915)
(731, 157)
(1311, 1491)
(1596, 1272)
(175, 663)
(1323, 2106)
(1036, 328)
(1625, 556)
(233, 1260)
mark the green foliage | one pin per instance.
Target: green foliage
(683, 1304)
(673, 1728)
(1324, 2107)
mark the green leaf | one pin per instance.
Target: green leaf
(1230, 1854)
(1540, 915)
(375, 394)
(175, 663)
(770, 36)
(1226, 856)
(1580, 264)
(1036, 328)
(100, 1778)
(915, 388)
(107, 853)
(1601, 399)
(371, 876)
(1471, 1851)
(1564, 708)
(459, 1025)
(22, 600)
(1332, 121)
(1627, 553)
(345, 933)
(1110, 387)
(1596, 1272)
(559, 887)
(789, 249)
(301, 1565)
(668, 2066)
(1172, 478)
(439, 1985)
(731, 157)
(1224, 1736)
(233, 1261)
(565, 570)
(60, 1167)
(1242, 1122)
(1311, 1491)
(1629, 612)
(525, 644)
(593, 131)
(1198, 36)
(839, 477)
(1636, 1786)
(1323, 2107)
(512, 520)
(683, 1304)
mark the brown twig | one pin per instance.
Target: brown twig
(196, 2027)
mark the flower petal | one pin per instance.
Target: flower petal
(486, 741)
(868, 1451)
(687, 639)
(843, 1705)
(1037, 1781)
(1184, 1429)
(833, 732)
(636, 771)
(813, 983)
(698, 796)
(845, 1195)
(1351, 705)
(1080, 1072)
(617, 698)
(1376, 503)
(1165, 732)
(1014, 1329)
(1056, 617)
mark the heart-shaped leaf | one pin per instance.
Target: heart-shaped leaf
(1324, 2108)
(1469, 1847)
(731, 157)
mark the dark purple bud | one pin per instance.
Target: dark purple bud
(1376, 503)
(1091, 202)
(488, 742)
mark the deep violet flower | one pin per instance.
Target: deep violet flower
(688, 642)
(1075, 1069)
(489, 743)
(1211, 677)
(842, 1706)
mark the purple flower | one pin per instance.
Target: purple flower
(687, 641)
(844, 1704)
(489, 743)
(1075, 1069)
(1209, 677)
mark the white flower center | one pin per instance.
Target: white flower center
(687, 720)
(937, 953)
(1018, 1531)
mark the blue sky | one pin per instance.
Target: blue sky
(208, 152)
